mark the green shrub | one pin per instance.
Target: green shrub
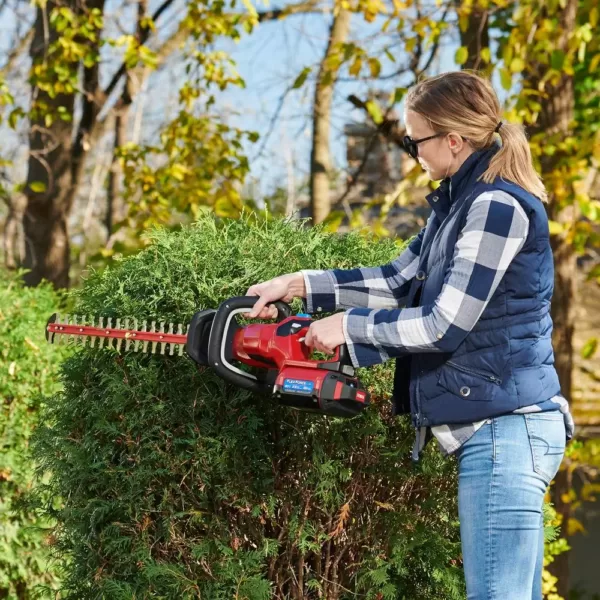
(178, 485)
(28, 371)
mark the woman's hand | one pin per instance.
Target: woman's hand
(325, 335)
(285, 287)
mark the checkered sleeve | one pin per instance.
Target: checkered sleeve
(494, 232)
(370, 287)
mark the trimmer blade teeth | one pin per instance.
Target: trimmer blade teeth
(171, 346)
(80, 328)
(101, 326)
(153, 330)
(127, 340)
(93, 338)
(58, 337)
(84, 338)
(136, 343)
(109, 341)
(119, 341)
(162, 331)
(62, 338)
(179, 332)
(72, 321)
(145, 344)
(73, 338)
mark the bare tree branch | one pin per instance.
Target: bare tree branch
(272, 122)
(143, 37)
(22, 45)
(312, 6)
(434, 47)
(389, 127)
(301, 8)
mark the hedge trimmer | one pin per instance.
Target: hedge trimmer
(214, 338)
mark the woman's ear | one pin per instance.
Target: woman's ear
(455, 142)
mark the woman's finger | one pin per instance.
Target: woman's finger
(259, 308)
(268, 312)
(308, 339)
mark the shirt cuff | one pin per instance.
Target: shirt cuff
(349, 344)
(356, 325)
(320, 291)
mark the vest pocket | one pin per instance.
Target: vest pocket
(468, 383)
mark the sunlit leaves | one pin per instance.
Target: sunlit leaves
(198, 162)
(590, 348)
(77, 43)
(461, 56)
(299, 82)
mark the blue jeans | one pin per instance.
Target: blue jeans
(504, 471)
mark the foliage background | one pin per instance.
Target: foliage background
(29, 370)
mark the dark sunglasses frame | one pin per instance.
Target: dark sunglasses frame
(411, 146)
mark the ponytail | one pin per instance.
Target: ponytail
(513, 162)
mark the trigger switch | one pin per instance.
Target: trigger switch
(296, 327)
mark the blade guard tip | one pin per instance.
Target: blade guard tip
(50, 336)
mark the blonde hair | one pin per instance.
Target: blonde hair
(465, 103)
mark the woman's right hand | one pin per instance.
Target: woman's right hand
(285, 287)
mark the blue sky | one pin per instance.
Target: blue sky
(269, 61)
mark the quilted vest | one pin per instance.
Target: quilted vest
(506, 361)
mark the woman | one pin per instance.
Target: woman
(465, 310)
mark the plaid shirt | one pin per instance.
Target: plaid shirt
(377, 328)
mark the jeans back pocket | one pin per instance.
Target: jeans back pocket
(547, 438)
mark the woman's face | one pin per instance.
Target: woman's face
(441, 156)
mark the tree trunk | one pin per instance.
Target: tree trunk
(555, 117)
(564, 301)
(14, 238)
(475, 37)
(56, 162)
(113, 207)
(320, 160)
(113, 194)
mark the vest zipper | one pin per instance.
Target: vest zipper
(491, 378)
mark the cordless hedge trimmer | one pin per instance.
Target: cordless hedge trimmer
(214, 338)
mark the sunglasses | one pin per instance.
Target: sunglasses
(411, 147)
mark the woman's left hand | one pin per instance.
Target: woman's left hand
(325, 335)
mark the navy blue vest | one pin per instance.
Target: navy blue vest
(506, 361)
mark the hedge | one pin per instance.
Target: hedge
(175, 484)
